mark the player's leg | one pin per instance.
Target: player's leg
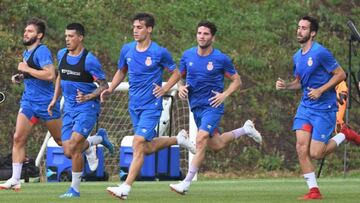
(22, 130)
(54, 127)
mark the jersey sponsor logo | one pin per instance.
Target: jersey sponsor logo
(148, 61)
(210, 66)
(70, 72)
(310, 61)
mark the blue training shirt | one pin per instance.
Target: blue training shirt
(144, 69)
(205, 74)
(314, 70)
(69, 88)
(36, 90)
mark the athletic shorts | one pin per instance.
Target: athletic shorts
(207, 119)
(320, 124)
(80, 122)
(144, 122)
(35, 111)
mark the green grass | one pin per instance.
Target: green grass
(239, 190)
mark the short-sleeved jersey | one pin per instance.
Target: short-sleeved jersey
(36, 90)
(205, 74)
(144, 70)
(314, 69)
(69, 88)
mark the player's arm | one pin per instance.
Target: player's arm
(183, 91)
(117, 79)
(103, 85)
(57, 93)
(293, 85)
(219, 98)
(46, 73)
(338, 76)
(174, 78)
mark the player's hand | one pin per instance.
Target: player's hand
(158, 91)
(314, 93)
(23, 66)
(17, 78)
(183, 91)
(280, 84)
(218, 99)
(51, 106)
(104, 94)
(80, 97)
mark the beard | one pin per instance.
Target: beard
(30, 42)
(205, 46)
(304, 39)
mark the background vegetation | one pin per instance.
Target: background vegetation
(260, 37)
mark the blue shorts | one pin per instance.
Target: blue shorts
(35, 111)
(320, 124)
(80, 122)
(144, 122)
(207, 119)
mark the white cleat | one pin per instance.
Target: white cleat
(252, 132)
(121, 192)
(184, 141)
(181, 188)
(11, 184)
(91, 158)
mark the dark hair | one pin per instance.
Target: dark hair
(147, 17)
(79, 28)
(208, 24)
(314, 24)
(39, 24)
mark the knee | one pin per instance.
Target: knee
(316, 155)
(201, 142)
(67, 152)
(138, 145)
(217, 147)
(19, 139)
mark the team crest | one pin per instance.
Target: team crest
(148, 61)
(190, 63)
(210, 65)
(310, 61)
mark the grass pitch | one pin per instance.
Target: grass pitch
(224, 191)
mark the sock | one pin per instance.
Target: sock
(191, 173)
(16, 171)
(76, 179)
(238, 132)
(94, 140)
(338, 138)
(311, 180)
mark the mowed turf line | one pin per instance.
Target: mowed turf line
(239, 190)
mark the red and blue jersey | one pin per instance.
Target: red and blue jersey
(314, 69)
(73, 70)
(205, 74)
(144, 70)
(37, 90)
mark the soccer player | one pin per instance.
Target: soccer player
(317, 73)
(205, 68)
(145, 61)
(78, 70)
(37, 73)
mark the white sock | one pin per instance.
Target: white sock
(338, 138)
(94, 140)
(311, 180)
(76, 179)
(16, 171)
(238, 132)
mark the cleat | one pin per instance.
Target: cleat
(350, 134)
(105, 140)
(91, 158)
(11, 184)
(121, 192)
(71, 193)
(181, 188)
(183, 140)
(252, 132)
(313, 194)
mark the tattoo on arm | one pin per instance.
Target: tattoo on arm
(103, 85)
